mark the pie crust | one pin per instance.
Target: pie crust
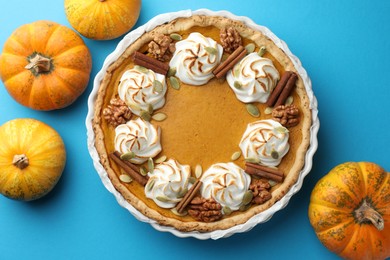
(295, 165)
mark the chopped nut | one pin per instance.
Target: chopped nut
(230, 39)
(262, 197)
(161, 47)
(260, 189)
(117, 112)
(288, 116)
(206, 210)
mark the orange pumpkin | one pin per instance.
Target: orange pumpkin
(32, 158)
(45, 65)
(102, 19)
(350, 211)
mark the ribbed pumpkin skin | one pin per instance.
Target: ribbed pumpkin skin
(333, 204)
(69, 71)
(45, 151)
(102, 19)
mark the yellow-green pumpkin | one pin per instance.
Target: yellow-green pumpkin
(32, 159)
(102, 19)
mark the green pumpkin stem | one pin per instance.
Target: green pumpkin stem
(20, 161)
(367, 214)
(39, 64)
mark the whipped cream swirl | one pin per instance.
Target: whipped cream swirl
(137, 90)
(253, 78)
(265, 141)
(195, 58)
(168, 183)
(226, 183)
(140, 137)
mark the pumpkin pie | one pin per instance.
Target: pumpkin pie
(201, 123)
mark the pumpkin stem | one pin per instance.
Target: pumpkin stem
(367, 214)
(39, 64)
(20, 161)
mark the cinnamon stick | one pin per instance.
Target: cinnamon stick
(278, 89)
(129, 168)
(229, 63)
(132, 166)
(287, 90)
(263, 171)
(150, 63)
(191, 193)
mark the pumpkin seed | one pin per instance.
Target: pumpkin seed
(235, 155)
(160, 159)
(262, 51)
(211, 50)
(250, 47)
(175, 36)
(150, 184)
(281, 130)
(145, 115)
(248, 196)
(127, 156)
(252, 160)
(158, 86)
(171, 72)
(198, 171)
(236, 70)
(268, 110)
(192, 180)
(272, 183)
(150, 109)
(253, 110)
(134, 106)
(237, 85)
(184, 212)
(159, 116)
(275, 154)
(289, 101)
(244, 207)
(143, 171)
(125, 178)
(150, 165)
(163, 198)
(175, 83)
(226, 211)
(141, 69)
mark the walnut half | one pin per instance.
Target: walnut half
(261, 191)
(117, 112)
(206, 210)
(288, 116)
(161, 47)
(230, 39)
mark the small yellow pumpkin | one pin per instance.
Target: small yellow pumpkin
(32, 159)
(45, 65)
(350, 211)
(102, 19)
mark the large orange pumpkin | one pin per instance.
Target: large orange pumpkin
(32, 158)
(45, 65)
(350, 211)
(102, 19)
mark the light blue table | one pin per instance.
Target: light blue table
(344, 46)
